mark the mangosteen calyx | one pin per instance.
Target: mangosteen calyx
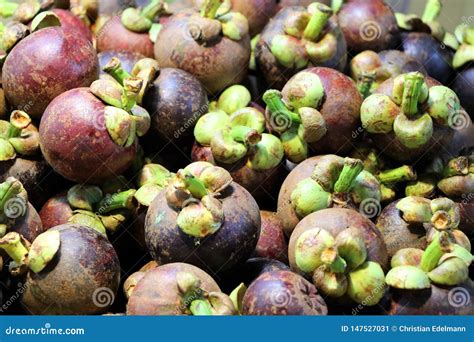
(194, 193)
(125, 119)
(411, 111)
(152, 178)
(465, 52)
(303, 125)
(35, 257)
(234, 131)
(18, 136)
(457, 177)
(444, 263)
(142, 20)
(338, 265)
(199, 302)
(99, 211)
(335, 181)
(306, 38)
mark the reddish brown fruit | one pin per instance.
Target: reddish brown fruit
(218, 64)
(335, 220)
(368, 25)
(76, 143)
(115, 37)
(272, 242)
(46, 64)
(283, 293)
(157, 292)
(55, 211)
(82, 279)
(71, 24)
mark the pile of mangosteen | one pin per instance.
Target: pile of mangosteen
(235, 157)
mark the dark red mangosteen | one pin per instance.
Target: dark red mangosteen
(203, 217)
(298, 38)
(368, 25)
(188, 38)
(178, 289)
(316, 112)
(283, 293)
(45, 64)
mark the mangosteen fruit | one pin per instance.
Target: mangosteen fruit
(132, 31)
(369, 69)
(282, 293)
(45, 64)
(429, 281)
(89, 135)
(424, 39)
(410, 115)
(367, 25)
(178, 289)
(71, 270)
(298, 38)
(324, 182)
(232, 136)
(343, 253)
(316, 112)
(203, 218)
(188, 38)
(272, 242)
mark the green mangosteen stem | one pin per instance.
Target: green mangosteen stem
(131, 87)
(364, 85)
(336, 5)
(7, 8)
(201, 307)
(246, 135)
(13, 245)
(279, 111)
(121, 200)
(401, 174)
(352, 168)
(331, 258)
(210, 7)
(435, 250)
(432, 11)
(411, 93)
(19, 120)
(193, 184)
(317, 22)
(154, 8)
(114, 68)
